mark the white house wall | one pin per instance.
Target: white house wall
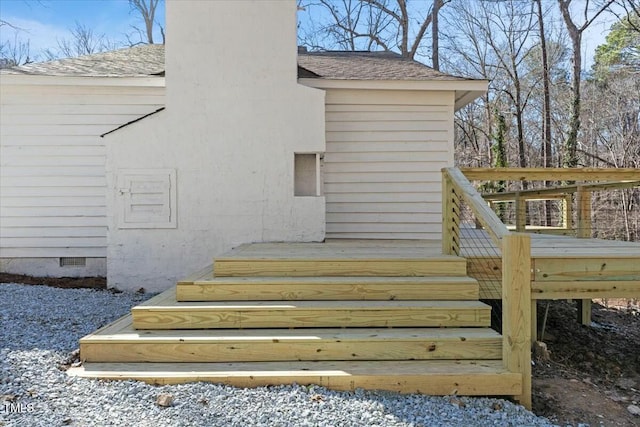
(385, 150)
(52, 169)
(235, 117)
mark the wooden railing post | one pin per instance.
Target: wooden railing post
(583, 202)
(516, 310)
(567, 212)
(450, 217)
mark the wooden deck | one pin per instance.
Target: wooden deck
(393, 315)
(562, 266)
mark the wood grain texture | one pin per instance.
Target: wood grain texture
(122, 343)
(593, 268)
(470, 378)
(516, 314)
(434, 266)
(551, 174)
(328, 288)
(305, 314)
(585, 289)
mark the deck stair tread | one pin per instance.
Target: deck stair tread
(202, 274)
(435, 377)
(450, 266)
(164, 312)
(120, 342)
(167, 301)
(123, 330)
(336, 250)
(329, 288)
(291, 259)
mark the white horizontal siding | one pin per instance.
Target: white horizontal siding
(52, 165)
(53, 232)
(384, 153)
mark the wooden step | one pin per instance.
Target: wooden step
(238, 264)
(119, 342)
(328, 288)
(164, 312)
(378, 258)
(433, 377)
(205, 273)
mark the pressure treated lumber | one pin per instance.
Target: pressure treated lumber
(556, 192)
(433, 377)
(328, 288)
(516, 314)
(121, 343)
(552, 174)
(432, 266)
(585, 289)
(203, 274)
(305, 314)
(593, 268)
(484, 214)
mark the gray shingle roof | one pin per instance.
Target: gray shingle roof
(143, 60)
(341, 65)
(146, 60)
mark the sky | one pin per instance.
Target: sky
(44, 22)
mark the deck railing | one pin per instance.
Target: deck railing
(512, 250)
(579, 195)
(515, 250)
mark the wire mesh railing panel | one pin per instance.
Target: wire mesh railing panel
(615, 215)
(484, 260)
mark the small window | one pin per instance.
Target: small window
(147, 198)
(306, 181)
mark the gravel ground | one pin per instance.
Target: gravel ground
(40, 326)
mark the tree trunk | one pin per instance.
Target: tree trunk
(434, 35)
(571, 144)
(546, 109)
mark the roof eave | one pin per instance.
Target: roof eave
(37, 79)
(466, 90)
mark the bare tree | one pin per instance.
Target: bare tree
(83, 41)
(147, 11)
(590, 13)
(494, 38)
(371, 24)
(14, 52)
(400, 14)
(546, 106)
(435, 38)
(632, 13)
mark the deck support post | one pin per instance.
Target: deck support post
(516, 310)
(583, 202)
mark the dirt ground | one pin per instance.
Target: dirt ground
(591, 377)
(593, 374)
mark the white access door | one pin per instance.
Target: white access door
(384, 154)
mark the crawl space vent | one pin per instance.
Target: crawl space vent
(73, 262)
